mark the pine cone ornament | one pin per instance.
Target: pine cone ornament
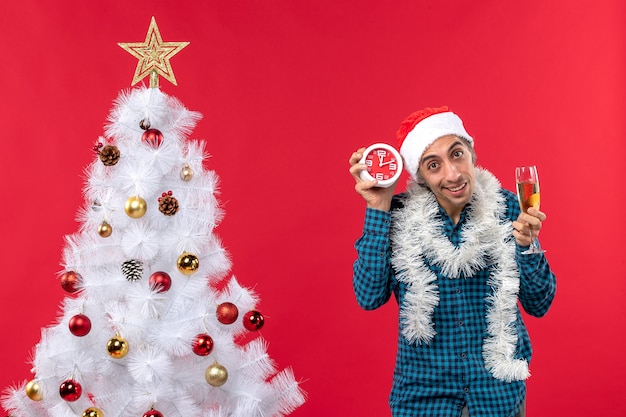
(132, 270)
(168, 204)
(110, 155)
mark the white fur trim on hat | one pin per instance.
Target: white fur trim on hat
(425, 133)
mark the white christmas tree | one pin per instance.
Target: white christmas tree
(152, 325)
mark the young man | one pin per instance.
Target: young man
(449, 249)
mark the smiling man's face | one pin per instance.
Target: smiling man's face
(447, 168)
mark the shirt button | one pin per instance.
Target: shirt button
(458, 291)
(466, 389)
(463, 355)
(460, 323)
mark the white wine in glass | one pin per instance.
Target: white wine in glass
(528, 195)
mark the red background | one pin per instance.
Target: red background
(288, 90)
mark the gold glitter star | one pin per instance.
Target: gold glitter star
(154, 56)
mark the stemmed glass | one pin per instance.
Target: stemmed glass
(528, 195)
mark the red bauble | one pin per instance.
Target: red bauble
(253, 320)
(153, 137)
(153, 413)
(70, 281)
(70, 390)
(80, 325)
(227, 313)
(202, 345)
(160, 281)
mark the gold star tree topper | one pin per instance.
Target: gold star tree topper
(154, 56)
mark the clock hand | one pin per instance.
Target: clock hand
(387, 163)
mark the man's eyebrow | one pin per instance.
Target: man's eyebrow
(429, 157)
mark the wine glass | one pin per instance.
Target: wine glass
(528, 195)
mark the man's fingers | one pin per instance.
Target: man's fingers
(356, 156)
(536, 213)
(356, 169)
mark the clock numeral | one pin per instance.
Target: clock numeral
(381, 152)
(380, 176)
(393, 166)
(368, 162)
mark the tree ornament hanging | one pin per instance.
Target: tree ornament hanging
(117, 347)
(109, 155)
(105, 229)
(160, 281)
(33, 390)
(153, 413)
(93, 412)
(186, 174)
(70, 390)
(144, 124)
(216, 375)
(97, 147)
(70, 281)
(152, 137)
(253, 320)
(135, 207)
(132, 270)
(168, 204)
(202, 345)
(80, 325)
(188, 263)
(96, 206)
(227, 313)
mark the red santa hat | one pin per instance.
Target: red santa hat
(421, 129)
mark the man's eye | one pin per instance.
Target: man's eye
(458, 154)
(432, 165)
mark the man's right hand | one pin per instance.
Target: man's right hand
(376, 197)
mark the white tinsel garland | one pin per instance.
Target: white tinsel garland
(416, 236)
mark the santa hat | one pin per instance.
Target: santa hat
(421, 129)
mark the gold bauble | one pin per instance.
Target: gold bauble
(135, 207)
(33, 390)
(188, 263)
(93, 412)
(186, 174)
(216, 375)
(117, 347)
(105, 229)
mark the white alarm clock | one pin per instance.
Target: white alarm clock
(384, 164)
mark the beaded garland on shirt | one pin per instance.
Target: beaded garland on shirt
(487, 240)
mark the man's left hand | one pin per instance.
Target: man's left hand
(527, 226)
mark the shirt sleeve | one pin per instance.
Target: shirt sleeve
(373, 274)
(537, 283)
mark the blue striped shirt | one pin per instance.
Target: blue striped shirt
(439, 378)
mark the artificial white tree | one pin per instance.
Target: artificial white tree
(152, 324)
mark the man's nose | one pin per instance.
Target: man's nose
(450, 171)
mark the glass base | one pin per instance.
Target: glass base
(533, 249)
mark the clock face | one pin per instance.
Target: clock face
(382, 164)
